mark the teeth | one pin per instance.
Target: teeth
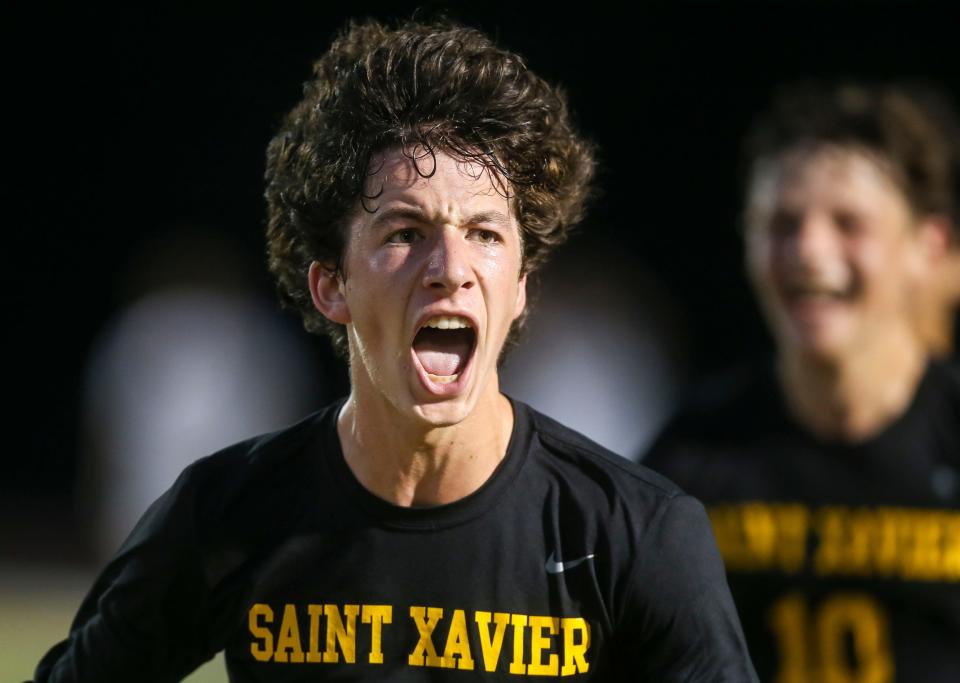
(448, 322)
(443, 379)
(816, 289)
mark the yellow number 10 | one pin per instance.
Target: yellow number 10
(844, 639)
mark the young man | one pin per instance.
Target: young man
(426, 527)
(831, 476)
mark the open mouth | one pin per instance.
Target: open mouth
(443, 348)
(814, 292)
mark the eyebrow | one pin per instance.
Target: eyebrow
(414, 214)
(494, 217)
(406, 213)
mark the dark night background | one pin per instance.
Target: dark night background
(124, 122)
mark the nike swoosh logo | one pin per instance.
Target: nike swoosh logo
(555, 566)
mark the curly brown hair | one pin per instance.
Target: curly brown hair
(418, 87)
(911, 128)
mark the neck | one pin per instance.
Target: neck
(855, 397)
(408, 462)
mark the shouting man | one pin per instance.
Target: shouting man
(426, 527)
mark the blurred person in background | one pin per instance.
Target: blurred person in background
(198, 358)
(426, 525)
(831, 474)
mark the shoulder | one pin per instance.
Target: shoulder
(635, 506)
(261, 455)
(944, 378)
(237, 491)
(722, 409)
(590, 470)
(720, 404)
(935, 411)
(721, 430)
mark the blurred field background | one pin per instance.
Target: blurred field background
(37, 607)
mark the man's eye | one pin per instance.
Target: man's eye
(405, 236)
(486, 236)
(849, 223)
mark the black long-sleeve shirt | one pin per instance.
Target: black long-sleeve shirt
(568, 561)
(843, 558)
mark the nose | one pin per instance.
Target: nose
(448, 262)
(813, 240)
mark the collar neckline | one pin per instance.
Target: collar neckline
(434, 516)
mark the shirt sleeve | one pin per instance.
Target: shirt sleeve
(681, 615)
(145, 619)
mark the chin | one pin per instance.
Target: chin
(445, 413)
(825, 337)
(821, 346)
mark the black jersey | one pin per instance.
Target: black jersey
(568, 561)
(843, 559)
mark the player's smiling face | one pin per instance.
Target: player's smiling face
(431, 286)
(832, 249)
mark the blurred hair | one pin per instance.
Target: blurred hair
(425, 89)
(912, 131)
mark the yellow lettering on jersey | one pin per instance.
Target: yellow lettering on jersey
(576, 642)
(905, 543)
(862, 530)
(951, 548)
(261, 652)
(790, 622)
(830, 551)
(886, 544)
(756, 536)
(426, 619)
(725, 520)
(376, 616)
(760, 532)
(289, 638)
(282, 643)
(457, 650)
(539, 643)
(856, 617)
(916, 545)
(903, 536)
(313, 644)
(490, 647)
(519, 621)
(843, 639)
(927, 547)
(339, 634)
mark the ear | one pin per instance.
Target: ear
(934, 238)
(326, 290)
(521, 297)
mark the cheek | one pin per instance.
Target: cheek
(499, 275)
(493, 264)
(871, 255)
(500, 301)
(878, 267)
(385, 265)
(894, 276)
(378, 279)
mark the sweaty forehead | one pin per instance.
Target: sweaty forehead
(441, 186)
